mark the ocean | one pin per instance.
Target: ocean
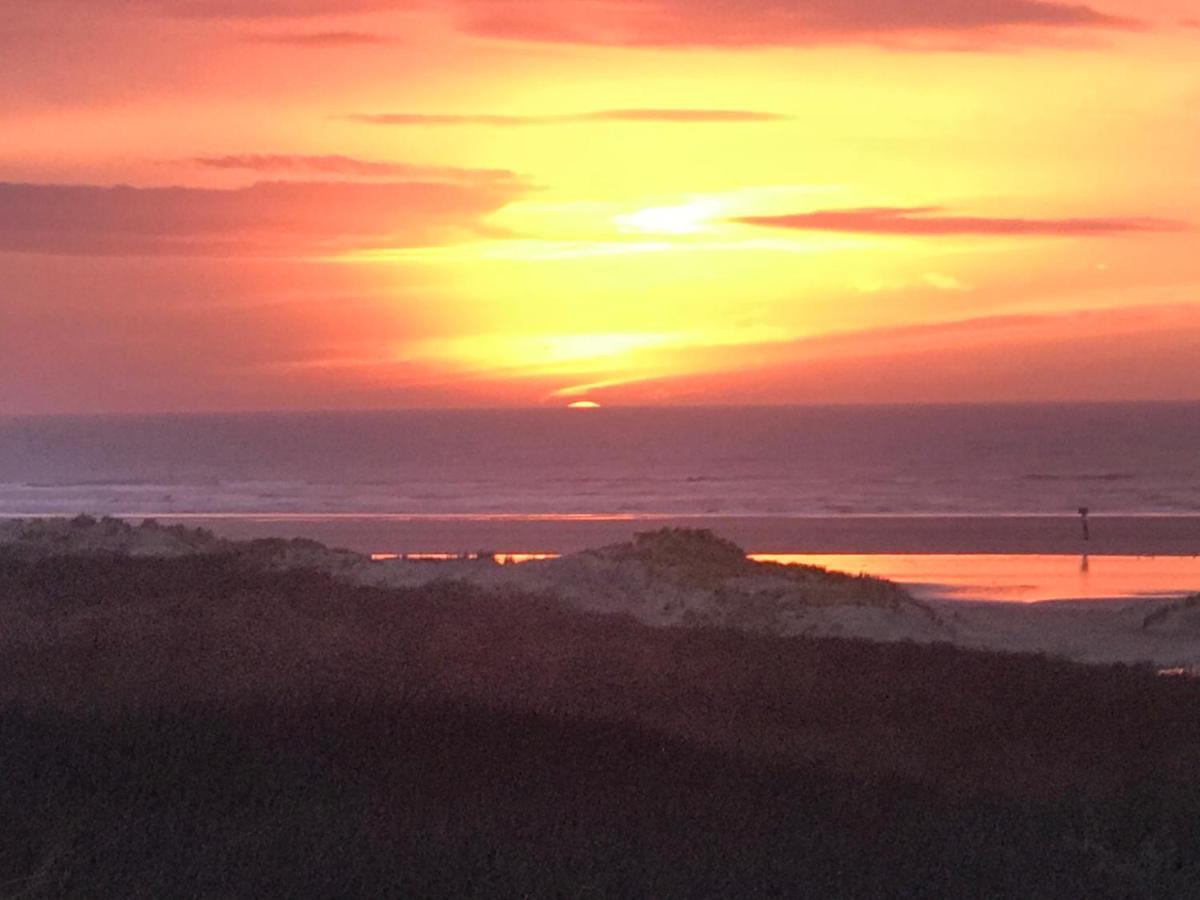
(1132, 459)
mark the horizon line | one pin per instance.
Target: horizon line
(657, 407)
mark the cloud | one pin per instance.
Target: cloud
(1134, 353)
(685, 116)
(349, 166)
(264, 219)
(320, 39)
(674, 23)
(769, 22)
(925, 221)
(232, 10)
(248, 9)
(943, 282)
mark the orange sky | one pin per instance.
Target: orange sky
(261, 204)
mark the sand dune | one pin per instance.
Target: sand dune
(642, 579)
(682, 578)
(692, 578)
(1110, 535)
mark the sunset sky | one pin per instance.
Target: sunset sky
(312, 204)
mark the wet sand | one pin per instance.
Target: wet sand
(1110, 535)
(1100, 632)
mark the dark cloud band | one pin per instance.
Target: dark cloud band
(927, 221)
(770, 22)
(269, 218)
(353, 167)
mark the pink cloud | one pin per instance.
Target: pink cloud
(673, 22)
(269, 218)
(320, 39)
(769, 22)
(1131, 354)
(251, 9)
(349, 166)
(669, 23)
(926, 221)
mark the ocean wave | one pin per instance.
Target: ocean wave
(727, 462)
(1101, 476)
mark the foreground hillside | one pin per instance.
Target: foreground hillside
(208, 725)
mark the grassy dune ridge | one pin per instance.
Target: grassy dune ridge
(208, 725)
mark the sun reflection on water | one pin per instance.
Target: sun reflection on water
(1013, 578)
(1016, 578)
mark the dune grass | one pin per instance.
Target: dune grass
(202, 727)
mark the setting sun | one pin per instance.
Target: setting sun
(688, 218)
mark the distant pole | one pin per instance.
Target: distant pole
(1083, 514)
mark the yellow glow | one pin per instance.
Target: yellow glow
(583, 404)
(579, 390)
(594, 361)
(556, 352)
(688, 218)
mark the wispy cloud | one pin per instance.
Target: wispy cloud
(251, 9)
(676, 23)
(320, 39)
(684, 116)
(771, 22)
(929, 221)
(1134, 353)
(350, 166)
(269, 218)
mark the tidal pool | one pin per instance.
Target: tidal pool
(1021, 578)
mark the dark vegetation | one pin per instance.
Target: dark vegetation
(1185, 608)
(86, 535)
(700, 557)
(202, 727)
(693, 553)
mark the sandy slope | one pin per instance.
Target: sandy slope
(798, 600)
(1091, 631)
(1105, 631)
(783, 600)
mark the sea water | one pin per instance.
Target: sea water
(786, 461)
